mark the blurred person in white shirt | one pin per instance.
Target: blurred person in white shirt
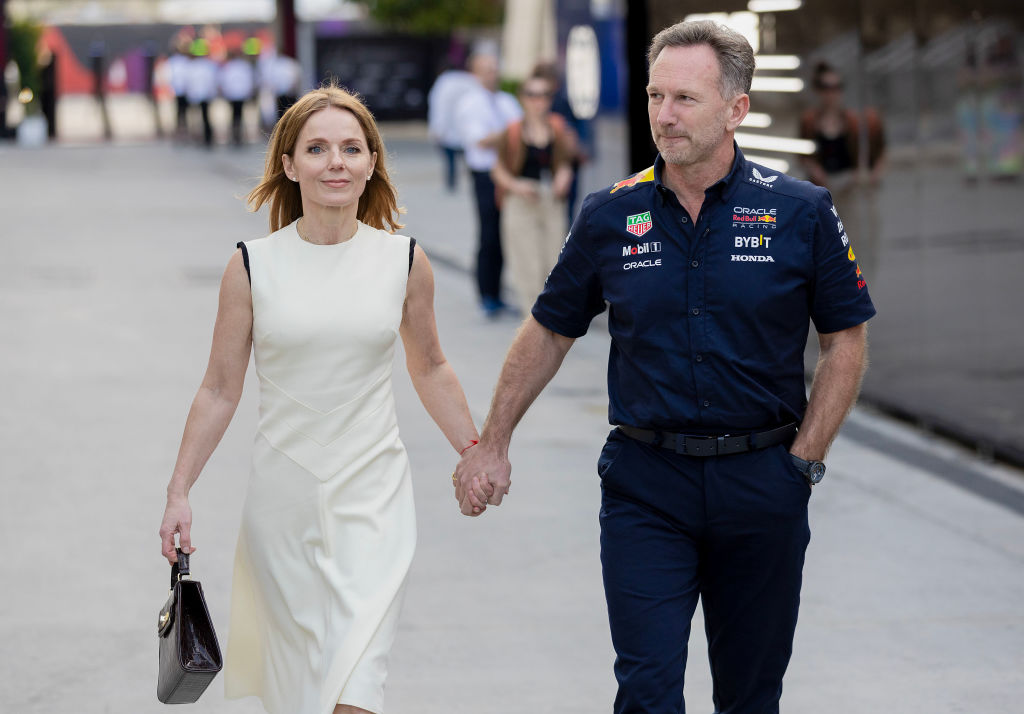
(481, 115)
(177, 69)
(201, 85)
(284, 79)
(237, 83)
(444, 96)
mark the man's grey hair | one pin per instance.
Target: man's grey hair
(734, 53)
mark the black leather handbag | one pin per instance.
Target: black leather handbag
(189, 652)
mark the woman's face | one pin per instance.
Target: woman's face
(829, 87)
(535, 96)
(331, 160)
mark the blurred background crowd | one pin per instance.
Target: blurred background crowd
(910, 114)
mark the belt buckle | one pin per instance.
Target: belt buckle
(680, 445)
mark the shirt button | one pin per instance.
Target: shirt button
(707, 403)
(695, 264)
(695, 311)
(685, 219)
(699, 358)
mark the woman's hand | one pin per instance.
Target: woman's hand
(525, 189)
(177, 519)
(562, 182)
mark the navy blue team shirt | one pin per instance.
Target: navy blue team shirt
(708, 319)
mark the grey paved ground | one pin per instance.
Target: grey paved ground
(111, 258)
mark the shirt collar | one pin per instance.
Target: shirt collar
(721, 189)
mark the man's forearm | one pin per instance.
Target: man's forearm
(532, 360)
(834, 390)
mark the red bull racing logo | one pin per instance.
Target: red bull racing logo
(642, 177)
(760, 217)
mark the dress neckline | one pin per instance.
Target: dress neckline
(294, 230)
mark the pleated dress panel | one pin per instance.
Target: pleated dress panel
(328, 525)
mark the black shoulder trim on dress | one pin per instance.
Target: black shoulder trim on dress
(412, 248)
(245, 259)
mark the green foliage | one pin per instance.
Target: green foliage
(510, 85)
(23, 42)
(434, 17)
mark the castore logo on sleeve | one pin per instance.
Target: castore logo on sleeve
(760, 180)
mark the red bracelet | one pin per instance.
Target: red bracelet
(473, 443)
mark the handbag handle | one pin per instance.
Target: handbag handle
(179, 570)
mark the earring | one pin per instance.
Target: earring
(369, 176)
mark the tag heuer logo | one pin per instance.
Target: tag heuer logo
(639, 223)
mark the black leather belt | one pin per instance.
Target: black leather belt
(692, 445)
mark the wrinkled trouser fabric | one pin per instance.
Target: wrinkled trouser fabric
(731, 530)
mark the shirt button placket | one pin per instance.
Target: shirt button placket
(698, 313)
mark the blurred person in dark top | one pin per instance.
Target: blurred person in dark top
(835, 130)
(533, 174)
(581, 127)
(47, 62)
(850, 169)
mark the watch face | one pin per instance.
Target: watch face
(816, 471)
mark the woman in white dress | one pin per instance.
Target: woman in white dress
(328, 526)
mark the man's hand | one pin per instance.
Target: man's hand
(481, 478)
(841, 364)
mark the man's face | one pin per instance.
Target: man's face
(486, 70)
(689, 118)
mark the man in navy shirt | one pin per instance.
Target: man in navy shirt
(711, 268)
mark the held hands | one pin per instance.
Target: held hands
(177, 519)
(481, 478)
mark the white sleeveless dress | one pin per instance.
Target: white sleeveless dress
(328, 526)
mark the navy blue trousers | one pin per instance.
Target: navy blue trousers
(489, 257)
(730, 529)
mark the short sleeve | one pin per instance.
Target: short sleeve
(572, 294)
(840, 298)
